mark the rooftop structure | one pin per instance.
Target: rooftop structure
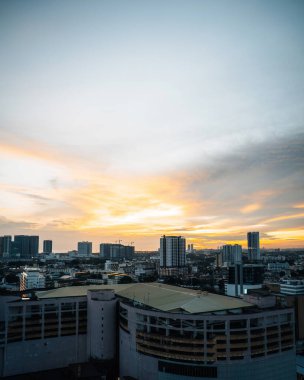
(159, 297)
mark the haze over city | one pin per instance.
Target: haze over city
(129, 120)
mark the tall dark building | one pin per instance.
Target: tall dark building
(253, 240)
(242, 278)
(253, 274)
(7, 242)
(1, 246)
(172, 251)
(84, 248)
(26, 246)
(34, 245)
(116, 251)
(47, 246)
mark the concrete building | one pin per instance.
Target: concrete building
(32, 278)
(111, 251)
(148, 332)
(7, 241)
(172, 252)
(231, 254)
(253, 241)
(84, 248)
(241, 278)
(47, 246)
(25, 246)
(292, 287)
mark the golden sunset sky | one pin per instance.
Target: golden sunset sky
(127, 120)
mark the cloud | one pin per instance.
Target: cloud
(256, 187)
(250, 208)
(11, 225)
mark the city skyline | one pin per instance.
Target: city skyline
(131, 120)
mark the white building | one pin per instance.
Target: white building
(32, 278)
(292, 287)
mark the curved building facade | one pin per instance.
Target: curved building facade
(237, 343)
(148, 332)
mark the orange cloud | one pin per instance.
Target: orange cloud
(301, 205)
(97, 204)
(250, 208)
(284, 217)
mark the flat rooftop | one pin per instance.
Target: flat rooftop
(157, 296)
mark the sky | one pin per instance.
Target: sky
(126, 120)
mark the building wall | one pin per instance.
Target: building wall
(230, 289)
(53, 333)
(43, 354)
(102, 324)
(280, 367)
(43, 335)
(257, 346)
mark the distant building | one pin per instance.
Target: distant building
(231, 254)
(84, 248)
(111, 266)
(32, 278)
(111, 251)
(47, 246)
(292, 287)
(7, 241)
(279, 268)
(172, 252)
(25, 246)
(190, 248)
(253, 241)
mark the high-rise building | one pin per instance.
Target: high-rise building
(231, 254)
(172, 251)
(111, 251)
(7, 241)
(84, 248)
(25, 246)
(253, 240)
(1, 246)
(34, 246)
(47, 246)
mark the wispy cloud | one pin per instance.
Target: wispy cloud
(209, 205)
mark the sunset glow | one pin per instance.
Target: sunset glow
(123, 122)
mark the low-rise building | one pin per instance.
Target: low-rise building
(32, 278)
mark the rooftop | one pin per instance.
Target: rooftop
(158, 296)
